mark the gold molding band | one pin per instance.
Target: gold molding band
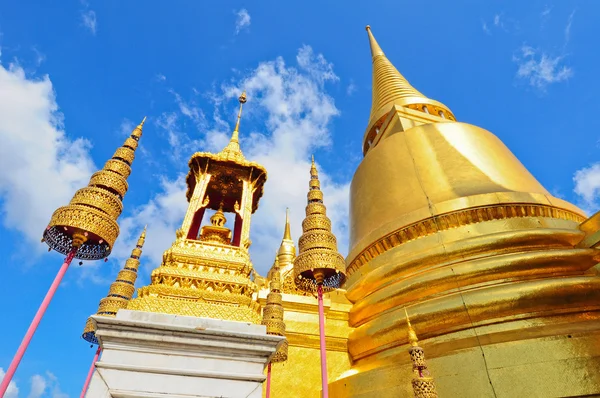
(456, 219)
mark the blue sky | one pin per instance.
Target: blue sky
(75, 79)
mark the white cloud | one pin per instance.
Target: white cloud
(160, 77)
(540, 69)
(38, 386)
(297, 111)
(351, 89)
(40, 168)
(242, 21)
(13, 390)
(88, 18)
(546, 12)
(568, 27)
(587, 187)
(497, 21)
(485, 27)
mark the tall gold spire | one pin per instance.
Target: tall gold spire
(120, 291)
(391, 88)
(422, 383)
(94, 210)
(318, 261)
(233, 151)
(273, 313)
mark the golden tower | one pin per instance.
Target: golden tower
(207, 271)
(120, 291)
(496, 272)
(95, 208)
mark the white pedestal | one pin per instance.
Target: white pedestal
(158, 355)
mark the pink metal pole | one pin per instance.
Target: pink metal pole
(91, 372)
(269, 382)
(322, 343)
(34, 324)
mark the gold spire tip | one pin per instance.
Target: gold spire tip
(368, 27)
(287, 235)
(313, 159)
(375, 49)
(143, 121)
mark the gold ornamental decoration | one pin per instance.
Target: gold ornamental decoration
(273, 313)
(423, 385)
(120, 292)
(93, 211)
(318, 261)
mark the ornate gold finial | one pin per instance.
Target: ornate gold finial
(287, 235)
(233, 151)
(423, 384)
(273, 313)
(120, 291)
(93, 211)
(319, 262)
(391, 88)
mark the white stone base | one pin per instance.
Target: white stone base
(158, 355)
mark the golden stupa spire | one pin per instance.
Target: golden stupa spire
(273, 313)
(120, 291)
(391, 88)
(233, 151)
(318, 261)
(422, 383)
(94, 210)
(287, 235)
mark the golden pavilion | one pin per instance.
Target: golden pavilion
(446, 225)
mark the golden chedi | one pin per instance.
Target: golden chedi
(120, 291)
(90, 219)
(496, 272)
(207, 271)
(273, 313)
(318, 261)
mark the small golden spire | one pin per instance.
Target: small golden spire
(422, 384)
(412, 335)
(273, 313)
(120, 291)
(318, 261)
(287, 249)
(90, 219)
(233, 151)
(287, 235)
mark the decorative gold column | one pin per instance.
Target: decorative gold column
(197, 201)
